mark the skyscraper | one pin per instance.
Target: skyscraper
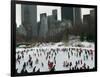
(29, 20)
(67, 13)
(92, 15)
(71, 13)
(86, 19)
(54, 13)
(77, 15)
(43, 25)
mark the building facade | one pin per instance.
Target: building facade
(71, 13)
(54, 13)
(43, 25)
(29, 20)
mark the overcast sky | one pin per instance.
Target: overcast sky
(46, 9)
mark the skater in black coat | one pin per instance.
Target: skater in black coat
(34, 69)
(38, 70)
(53, 69)
(31, 63)
(24, 68)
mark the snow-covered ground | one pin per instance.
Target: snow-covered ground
(70, 57)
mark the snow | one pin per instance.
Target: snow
(40, 51)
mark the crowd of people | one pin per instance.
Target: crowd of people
(31, 60)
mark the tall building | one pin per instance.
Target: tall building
(71, 13)
(86, 19)
(52, 20)
(67, 13)
(29, 20)
(77, 16)
(89, 18)
(43, 25)
(89, 24)
(92, 15)
(54, 13)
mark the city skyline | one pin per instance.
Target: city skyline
(48, 10)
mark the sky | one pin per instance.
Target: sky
(48, 10)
